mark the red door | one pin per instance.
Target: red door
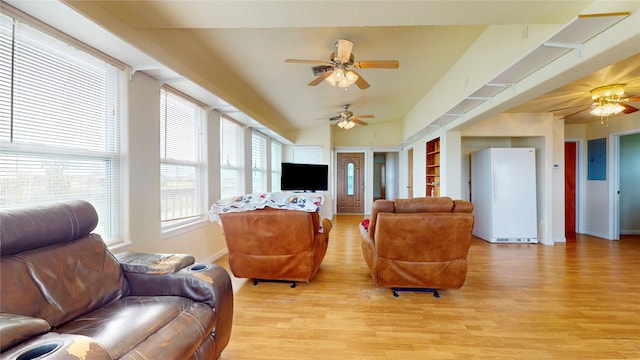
(570, 189)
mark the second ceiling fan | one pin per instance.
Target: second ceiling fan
(346, 119)
(338, 71)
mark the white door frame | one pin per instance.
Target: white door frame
(614, 184)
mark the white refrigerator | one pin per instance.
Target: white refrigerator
(503, 192)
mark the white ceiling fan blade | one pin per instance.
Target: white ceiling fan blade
(363, 116)
(301, 61)
(344, 50)
(364, 123)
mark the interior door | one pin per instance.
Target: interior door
(569, 188)
(350, 187)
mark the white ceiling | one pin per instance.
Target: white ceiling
(236, 50)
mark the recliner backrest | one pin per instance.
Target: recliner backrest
(51, 266)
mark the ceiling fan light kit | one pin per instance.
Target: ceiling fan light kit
(347, 120)
(607, 100)
(342, 78)
(346, 124)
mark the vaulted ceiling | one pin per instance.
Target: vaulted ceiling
(236, 50)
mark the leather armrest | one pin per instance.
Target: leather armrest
(198, 282)
(15, 329)
(326, 226)
(152, 263)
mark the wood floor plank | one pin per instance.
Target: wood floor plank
(579, 300)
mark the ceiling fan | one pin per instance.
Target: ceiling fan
(338, 71)
(346, 119)
(607, 100)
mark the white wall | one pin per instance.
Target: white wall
(375, 134)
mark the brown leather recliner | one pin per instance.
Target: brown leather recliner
(275, 244)
(65, 296)
(419, 243)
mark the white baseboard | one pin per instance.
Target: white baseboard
(215, 256)
(629, 232)
(604, 236)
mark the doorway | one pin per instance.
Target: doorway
(385, 175)
(627, 193)
(350, 183)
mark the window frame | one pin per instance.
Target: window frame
(259, 166)
(80, 163)
(235, 165)
(197, 163)
(276, 165)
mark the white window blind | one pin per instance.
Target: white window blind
(181, 185)
(231, 162)
(276, 165)
(259, 163)
(59, 118)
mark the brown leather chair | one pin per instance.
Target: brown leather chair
(418, 244)
(65, 296)
(275, 244)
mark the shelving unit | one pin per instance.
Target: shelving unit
(433, 168)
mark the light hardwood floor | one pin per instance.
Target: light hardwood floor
(520, 301)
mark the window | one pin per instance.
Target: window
(231, 162)
(350, 171)
(59, 118)
(259, 163)
(181, 184)
(276, 165)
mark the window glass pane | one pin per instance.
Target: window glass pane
(32, 179)
(180, 119)
(259, 163)
(229, 182)
(231, 144)
(276, 165)
(350, 169)
(60, 99)
(231, 159)
(179, 200)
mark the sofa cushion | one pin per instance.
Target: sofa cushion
(424, 204)
(166, 326)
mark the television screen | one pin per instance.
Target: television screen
(304, 177)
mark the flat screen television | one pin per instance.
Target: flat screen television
(304, 177)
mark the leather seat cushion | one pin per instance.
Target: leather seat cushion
(125, 324)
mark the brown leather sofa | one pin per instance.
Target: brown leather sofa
(418, 244)
(275, 244)
(65, 296)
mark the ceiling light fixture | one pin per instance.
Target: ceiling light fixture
(342, 77)
(606, 100)
(346, 124)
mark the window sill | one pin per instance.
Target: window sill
(184, 228)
